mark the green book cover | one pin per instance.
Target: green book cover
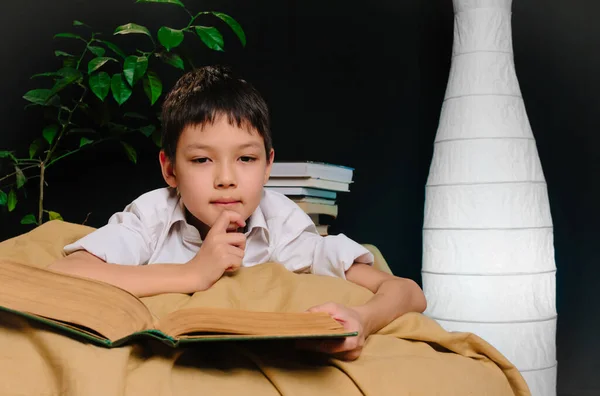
(97, 339)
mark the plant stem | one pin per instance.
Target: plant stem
(194, 18)
(28, 161)
(74, 151)
(47, 160)
(8, 186)
(14, 173)
(62, 156)
(65, 126)
(41, 201)
(87, 43)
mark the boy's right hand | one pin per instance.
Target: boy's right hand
(220, 251)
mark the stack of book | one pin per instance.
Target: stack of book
(313, 186)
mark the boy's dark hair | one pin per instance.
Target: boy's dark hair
(201, 95)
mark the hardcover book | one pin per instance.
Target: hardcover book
(107, 315)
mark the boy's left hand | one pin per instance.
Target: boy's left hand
(348, 348)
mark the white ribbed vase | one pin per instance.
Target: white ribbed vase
(488, 248)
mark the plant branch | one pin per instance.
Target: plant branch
(65, 126)
(76, 151)
(14, 173)
(61, 157)
(194, 17)
(87, 43)
(41, 200)
(190, 14)
(28, 161)
(7, 186)
(53, 149)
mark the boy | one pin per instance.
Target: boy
(215, 216)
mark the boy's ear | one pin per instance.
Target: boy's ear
(168, 169)
(270, 159)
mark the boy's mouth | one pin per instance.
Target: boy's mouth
(225, 202)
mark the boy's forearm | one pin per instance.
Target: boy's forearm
(394, 298)
(139, 280)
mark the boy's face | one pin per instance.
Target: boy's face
(218, 167)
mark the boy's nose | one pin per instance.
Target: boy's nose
(225, 177)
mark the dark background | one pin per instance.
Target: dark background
(359, 84)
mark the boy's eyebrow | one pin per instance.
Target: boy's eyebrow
(250, 145)
(201, 146)
(193, 146)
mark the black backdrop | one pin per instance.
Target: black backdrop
(360, 84)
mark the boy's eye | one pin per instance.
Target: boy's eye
(200, 160)
(247, 159)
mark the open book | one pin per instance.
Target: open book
(110, 316)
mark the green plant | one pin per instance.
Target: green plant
(84, 100)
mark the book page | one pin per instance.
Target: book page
(232, 321)
(112, 312)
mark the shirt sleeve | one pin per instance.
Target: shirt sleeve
(123, 240)
(304, 250)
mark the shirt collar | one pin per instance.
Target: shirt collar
(256, 221)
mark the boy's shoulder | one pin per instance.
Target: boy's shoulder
(275, 204)
(164, 196)
(283, 214)
(153, 208)
(155, 200)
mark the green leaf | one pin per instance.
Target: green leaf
(98, 51)
(148, 130)
(70, 62)
(79, 23)
(48, 74)
(68, 35)
(120, 128)
(39, 96)
(49, 133)
(69, 74)
(85, 141)
(35, 146)
(8, 154)
(114, 48)
(11, 201)
(134, 68)
(152, 87)
(21, 179)
(176, 2)
(54, 215)
(173, 60)
(3, 198)
(130, 28)
(211, 37)
(130, 151)
(121, 91)
(62, 53)
(170, 38)
(100, 85)
(234, 25)
(98, 62)
(131, 114)
(29, 219)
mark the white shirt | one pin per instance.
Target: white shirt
(153, 229)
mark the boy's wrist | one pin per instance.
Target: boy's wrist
(192, 277)
(364, 313)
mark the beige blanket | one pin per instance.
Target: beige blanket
(411, 356)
